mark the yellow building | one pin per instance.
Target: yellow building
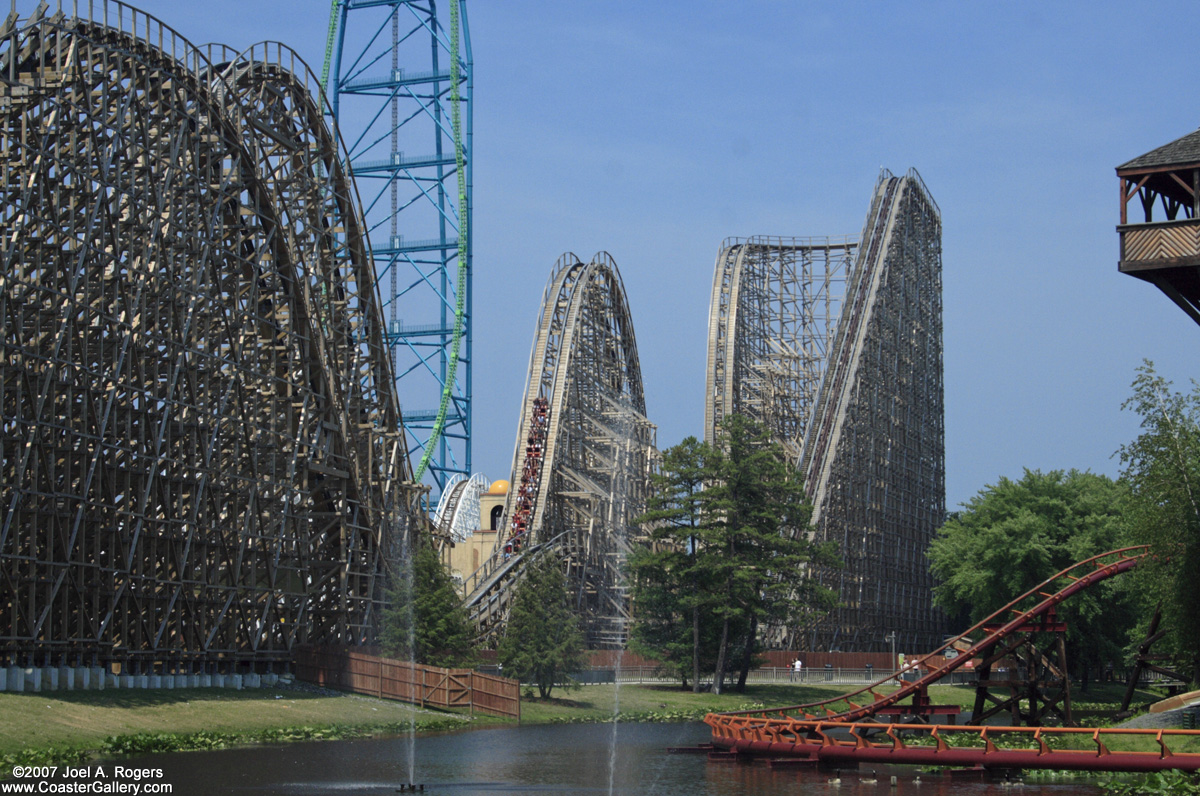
(466, 557)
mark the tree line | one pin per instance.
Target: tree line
(1014, 534)
(728, 554)
(726, 531)
(426, 622)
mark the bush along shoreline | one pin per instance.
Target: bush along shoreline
(332, 721)
(144, 743)
(649, 716)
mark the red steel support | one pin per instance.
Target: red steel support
(915, 744)
(842, 736)
(1040, 600)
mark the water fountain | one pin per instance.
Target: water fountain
(625, 443)
(612, 743)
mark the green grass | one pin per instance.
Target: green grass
(596, 702)
(69, 726)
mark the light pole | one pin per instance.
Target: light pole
(892, 638)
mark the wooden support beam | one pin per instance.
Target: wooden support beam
(178, 479)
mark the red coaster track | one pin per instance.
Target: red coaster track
(797, 730)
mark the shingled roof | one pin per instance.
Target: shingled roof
(1180, 151)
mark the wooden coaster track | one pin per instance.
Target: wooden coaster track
(201, 452)
(582, 457)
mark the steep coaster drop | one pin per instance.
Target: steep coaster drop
(582, 460)
(846, 736)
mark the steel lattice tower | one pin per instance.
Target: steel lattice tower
(400, 87)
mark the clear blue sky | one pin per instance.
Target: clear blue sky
(653, 130)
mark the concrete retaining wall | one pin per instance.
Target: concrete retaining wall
(84, 678)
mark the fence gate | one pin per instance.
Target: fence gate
(388, 678)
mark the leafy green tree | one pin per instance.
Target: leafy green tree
(671, 623)
(427, 622)
(1162, 469)
(1015, 534)
(542, 642)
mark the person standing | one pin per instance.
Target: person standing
(798, 669)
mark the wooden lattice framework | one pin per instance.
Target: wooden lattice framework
(874, 459)
(201, 453)
(835, 346)
(583, 455)
(774, 311)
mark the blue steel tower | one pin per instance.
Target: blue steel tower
(400, 87)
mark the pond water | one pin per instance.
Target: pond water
(544, 760)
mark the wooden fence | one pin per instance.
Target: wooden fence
(422, 685)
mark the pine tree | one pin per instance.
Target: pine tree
(755, 538)
(542, 642)
(729, 550)
(436, 631)
(672, 596)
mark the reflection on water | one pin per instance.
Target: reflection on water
(564, 759)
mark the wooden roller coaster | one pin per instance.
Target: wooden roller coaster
(202, 458)
(582, 458)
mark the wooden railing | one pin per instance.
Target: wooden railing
(1167, 241)
(387, 678)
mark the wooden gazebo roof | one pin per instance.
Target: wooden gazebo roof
(1181, 152)
(1163, 245)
